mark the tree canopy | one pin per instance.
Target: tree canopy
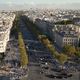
(69, 50)
(23, 54)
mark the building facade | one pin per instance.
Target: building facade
(66, 38)
(6, 22)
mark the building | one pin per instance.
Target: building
(67, 38)
(6, 22)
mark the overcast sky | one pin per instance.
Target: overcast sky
(38, 1)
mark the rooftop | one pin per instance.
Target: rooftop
(68, 34)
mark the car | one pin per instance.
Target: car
(45, 67)
(65, 75)
(56, 70)
(59, 76)
(50, 76)
(69, 75)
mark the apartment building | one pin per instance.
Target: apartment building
(6, 21)
(67, 38)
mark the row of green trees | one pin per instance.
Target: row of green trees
(65, 22)
(23, 52)
(22, 49)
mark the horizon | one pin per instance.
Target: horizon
(34, 2)
(25, 4)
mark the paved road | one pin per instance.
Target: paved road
(35, 48)
(37, 52)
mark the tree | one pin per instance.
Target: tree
(65, 22)
(78, 54)
(69, 50)
(72, 50)
(62, 58)
(23, 52)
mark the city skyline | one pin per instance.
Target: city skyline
(27, 4)
(33, 2)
